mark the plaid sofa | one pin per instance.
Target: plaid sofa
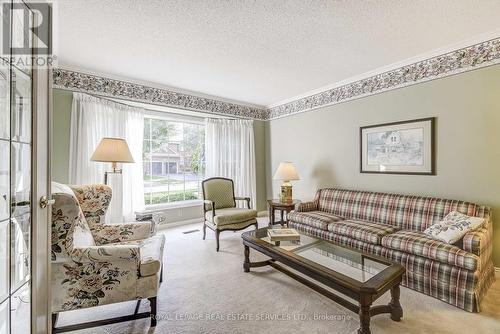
(392, 225)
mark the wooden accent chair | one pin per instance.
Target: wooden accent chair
(94, 263)
(220, 211)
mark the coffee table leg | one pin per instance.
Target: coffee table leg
(246, 264)
(396, 309)
(364, 319)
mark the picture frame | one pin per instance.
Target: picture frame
(405, 147)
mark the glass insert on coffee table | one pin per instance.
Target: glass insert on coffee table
(357, 275)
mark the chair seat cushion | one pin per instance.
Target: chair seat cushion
(420, 244)
(151, 250)
(361, 230)
(317, 219)
(230, 216)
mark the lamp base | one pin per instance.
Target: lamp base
(286, 192)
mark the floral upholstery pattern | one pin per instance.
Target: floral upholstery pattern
(459, 274)
(89, 271)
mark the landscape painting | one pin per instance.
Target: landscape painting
(396, 148)
(402, 147)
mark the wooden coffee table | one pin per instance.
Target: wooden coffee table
(360, 276)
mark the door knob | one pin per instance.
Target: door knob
(44, 202)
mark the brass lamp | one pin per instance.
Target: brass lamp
(286, 172)
(112, 150)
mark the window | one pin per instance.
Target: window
(173, 158)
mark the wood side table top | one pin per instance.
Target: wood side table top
(276, 203)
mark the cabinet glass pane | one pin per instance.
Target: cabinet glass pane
(21, 106)
(4, 101)
(20, 311)
(20, 259)
(4, 260)
(4, 179)
(20, 178)
(4, 317)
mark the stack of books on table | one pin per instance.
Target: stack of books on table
(283, 234)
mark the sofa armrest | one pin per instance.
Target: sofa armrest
(108, 233)
(477, 242)
(307, 206)
(480, 243)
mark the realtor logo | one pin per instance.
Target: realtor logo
(29, 29)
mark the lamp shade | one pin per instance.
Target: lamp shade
(286, 171)
(112, 150)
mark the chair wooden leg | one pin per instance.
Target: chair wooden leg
(152, 303)
(137, 306)
(204, 230)
(55, 316)
(217, 232)
(161, 272)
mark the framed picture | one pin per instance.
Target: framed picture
(405, 147)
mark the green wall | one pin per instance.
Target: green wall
(324, 143)
(61, 118)
(60, 147)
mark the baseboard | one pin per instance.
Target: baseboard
(179, 223)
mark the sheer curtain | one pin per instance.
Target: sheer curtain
(230, 152)
(92, 119)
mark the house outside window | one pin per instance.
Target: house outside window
(173, 160)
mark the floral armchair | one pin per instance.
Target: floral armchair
(95, 263)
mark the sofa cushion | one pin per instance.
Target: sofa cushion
(318, 219)
(361, 230)
(420, 244)
(407, 212)
(230, 216)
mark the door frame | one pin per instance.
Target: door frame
(41, 176)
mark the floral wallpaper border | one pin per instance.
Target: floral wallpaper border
(461, 60)
(87, 83)
(466, 59)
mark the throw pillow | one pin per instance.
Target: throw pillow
(453, 227)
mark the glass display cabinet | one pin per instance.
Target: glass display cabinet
(16, 86)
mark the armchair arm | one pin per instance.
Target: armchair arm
(244, 199)
(211, 206)
(94, 200)
(107, 233)
(107, 253)
(307, 206)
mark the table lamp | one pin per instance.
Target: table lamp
(112, 150)
(286, 172)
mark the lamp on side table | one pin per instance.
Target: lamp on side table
(114, 150)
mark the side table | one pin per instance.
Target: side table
(276, 204)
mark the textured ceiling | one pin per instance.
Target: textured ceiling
(259, 52)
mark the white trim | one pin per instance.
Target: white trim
(179, 223)
(408, 61)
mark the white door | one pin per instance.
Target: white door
(24, 175)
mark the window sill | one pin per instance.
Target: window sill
(168, 206)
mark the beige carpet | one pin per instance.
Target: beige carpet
(208, 292)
